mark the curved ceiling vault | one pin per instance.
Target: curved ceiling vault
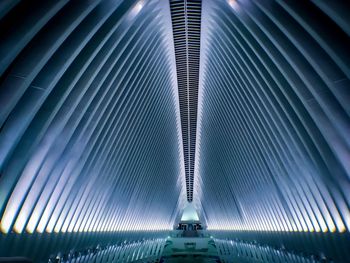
(100, 129)
(89, 117)
(274, 125)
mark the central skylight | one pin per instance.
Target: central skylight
(186, 20)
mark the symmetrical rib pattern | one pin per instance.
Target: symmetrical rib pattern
(89, 117)
(274, 118)
(186, 20)
(99, 144)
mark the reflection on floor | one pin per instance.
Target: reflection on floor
(199, 246)
(245, 252)
(190, 259)
(185, 246)
(189, 246)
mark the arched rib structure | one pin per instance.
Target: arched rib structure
(89, 117)
(274, 116)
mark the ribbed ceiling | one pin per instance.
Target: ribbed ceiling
(113, 113)
(274, 116)
(89, 117)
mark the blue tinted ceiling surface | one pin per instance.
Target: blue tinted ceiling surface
(274, 144)
(89, 118)
(114, 114)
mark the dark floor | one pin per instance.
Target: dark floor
(190, 259)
